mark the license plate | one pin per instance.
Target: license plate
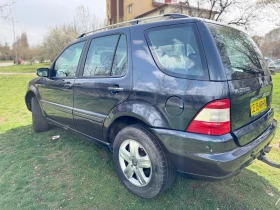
(258, 106)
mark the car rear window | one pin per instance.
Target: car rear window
(177, 50)
(240, 55)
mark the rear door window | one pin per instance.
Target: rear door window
(107, 56)
(100, 56)
(240, 55)
(177, 50)
(119, 67)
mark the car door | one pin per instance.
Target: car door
(57, 92)
(104, 81)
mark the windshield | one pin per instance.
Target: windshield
(240, 55)
(277, 62)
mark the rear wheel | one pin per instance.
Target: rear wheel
(141, 163)
(39, 121)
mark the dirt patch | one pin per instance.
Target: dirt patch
(273, 145)
(2, 120)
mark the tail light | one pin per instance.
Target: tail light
(213, 119)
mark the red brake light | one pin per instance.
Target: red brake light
(213, 119)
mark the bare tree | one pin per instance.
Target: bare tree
(237, 12)
(270, 43)
(58, 37)
(85, 21)
(21, 46)
(6, 52)
(275, 2)
(5, 8)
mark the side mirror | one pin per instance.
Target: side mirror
(43, 72)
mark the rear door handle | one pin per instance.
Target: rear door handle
(115, 89)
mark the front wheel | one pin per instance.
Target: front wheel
(38, 120)
(141, 163)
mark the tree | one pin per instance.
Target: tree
(259, 40)
(270, 43)
(58, 37)
(30, 54)
(24, 40)
(22, 46)
(236, 12)
(84, 21)
(40, 53)
(5, 8)
(5, 52)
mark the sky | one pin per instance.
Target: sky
(35, 16)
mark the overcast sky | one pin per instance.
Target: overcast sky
(35, 16)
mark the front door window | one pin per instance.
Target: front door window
(67, 63)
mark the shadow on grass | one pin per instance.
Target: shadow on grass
(37, 172)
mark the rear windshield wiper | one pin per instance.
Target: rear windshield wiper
(248, 70)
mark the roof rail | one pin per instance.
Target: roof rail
(136, 21)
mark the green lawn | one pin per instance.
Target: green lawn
(37, 172)
(23, 68)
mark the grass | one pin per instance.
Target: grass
(37, 172)
(23, 68)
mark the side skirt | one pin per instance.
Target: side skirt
(92, 139)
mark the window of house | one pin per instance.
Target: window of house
(130, 8)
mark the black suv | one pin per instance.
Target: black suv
(183, 95)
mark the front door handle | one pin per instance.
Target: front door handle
(115, 89)
(68, 85)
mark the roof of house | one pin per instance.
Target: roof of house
(175, 5)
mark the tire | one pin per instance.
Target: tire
(150, 173)
(39, 121)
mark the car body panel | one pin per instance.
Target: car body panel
(211, 158)
(92, 98)
(152, 97)
(154, 87)
(277, 65)
(248, 79)
(57, 100)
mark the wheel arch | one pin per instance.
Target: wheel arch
(29, 95)
(130, 113)
(31, 92)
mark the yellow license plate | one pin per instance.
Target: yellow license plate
(258, 106)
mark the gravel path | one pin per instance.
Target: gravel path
(6, 64)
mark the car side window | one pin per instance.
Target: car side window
(177, 50)
(100, 56)
(120, 60)
(67, 63)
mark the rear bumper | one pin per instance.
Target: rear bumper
(211, 157)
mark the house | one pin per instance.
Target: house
(181, 8)
(124, 10)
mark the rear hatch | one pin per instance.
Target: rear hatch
(250, 83)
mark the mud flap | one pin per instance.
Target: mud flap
(263, 158)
